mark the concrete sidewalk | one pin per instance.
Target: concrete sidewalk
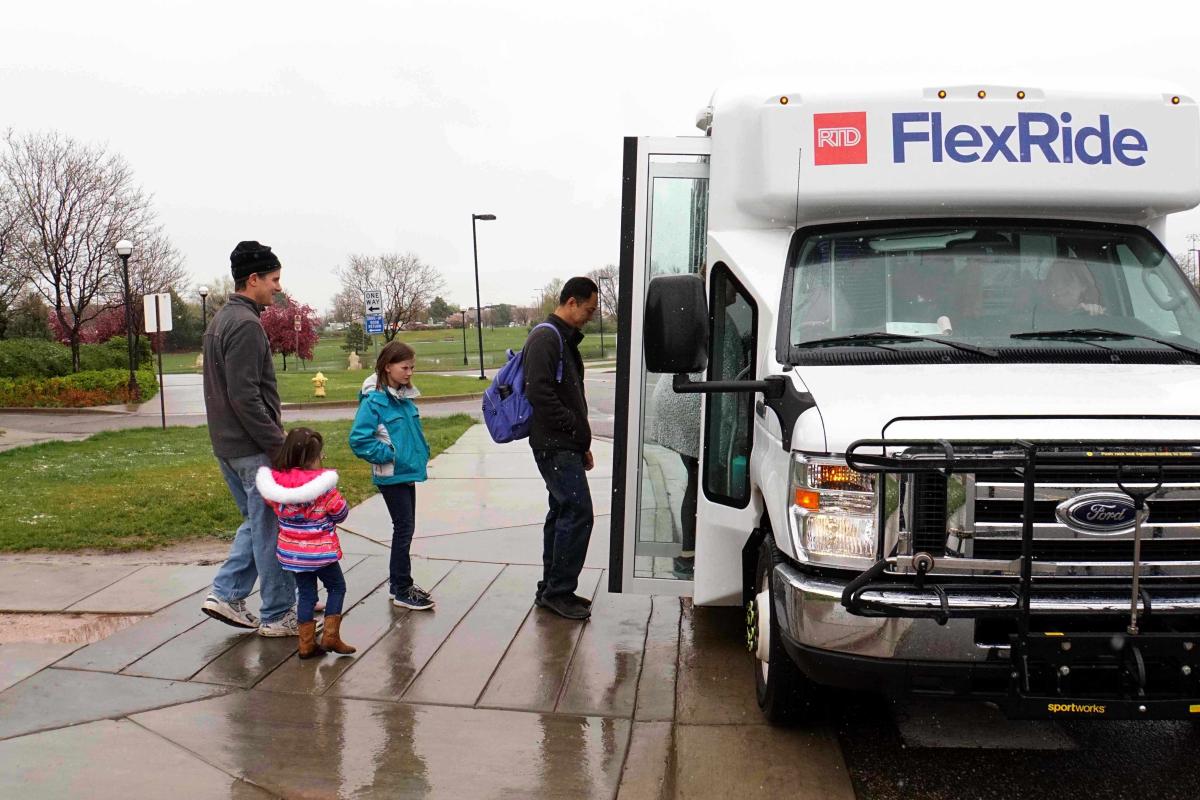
(486, 696)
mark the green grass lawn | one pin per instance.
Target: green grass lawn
(297, 387)
(437, 351)
(143, 488)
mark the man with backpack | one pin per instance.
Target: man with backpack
(561, 440)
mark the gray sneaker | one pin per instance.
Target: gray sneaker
(231, 612)
(287, 625)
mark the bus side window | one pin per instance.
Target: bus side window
(728, 424)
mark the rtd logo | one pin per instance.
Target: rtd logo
(840, 138)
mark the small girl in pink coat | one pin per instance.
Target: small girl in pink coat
(305, 498)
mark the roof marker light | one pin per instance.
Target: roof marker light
(941, 94)
(1175, 100)
(783, 101)
(982, 94)
(1021, 95)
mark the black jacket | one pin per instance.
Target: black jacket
(560, 417)
(240, 394)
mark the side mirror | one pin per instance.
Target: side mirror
(675, 336)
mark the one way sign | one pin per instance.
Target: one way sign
(374, 302)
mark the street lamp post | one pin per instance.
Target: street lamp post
(463, 311)
(124, 250)
(203, 308)
(478, 303)
(600, 312)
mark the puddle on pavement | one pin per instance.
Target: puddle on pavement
(62, 628)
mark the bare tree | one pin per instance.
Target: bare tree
(12, 278)
(607, 281)
(219, 290)
(550, 293)
(73, 203)
(407, 285)
(155, 266)
(345, 308)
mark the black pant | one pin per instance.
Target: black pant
(687, 514)
(401, 500)
(568, 527)
(306, 588)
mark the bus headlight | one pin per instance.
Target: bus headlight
(834, 511)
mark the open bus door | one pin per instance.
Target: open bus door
(664, 215)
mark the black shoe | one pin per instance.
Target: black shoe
(417, 590)
(565, 607)
(409, 598)
(684, 567)
(583, 601)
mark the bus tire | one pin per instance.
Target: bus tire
(781, 689)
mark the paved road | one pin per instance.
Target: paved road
(185, 406)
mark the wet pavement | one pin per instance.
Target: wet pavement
(488, 696)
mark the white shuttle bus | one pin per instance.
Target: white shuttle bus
(929, 378)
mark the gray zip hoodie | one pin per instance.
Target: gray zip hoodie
(240, 395)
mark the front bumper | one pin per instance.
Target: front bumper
(904, 655)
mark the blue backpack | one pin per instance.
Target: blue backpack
(506, 411)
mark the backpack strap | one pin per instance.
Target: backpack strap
(561, 347)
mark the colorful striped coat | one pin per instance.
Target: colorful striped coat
(309, 508)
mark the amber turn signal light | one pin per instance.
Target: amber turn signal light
(808, 499)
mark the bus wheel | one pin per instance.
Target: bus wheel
(779, 684)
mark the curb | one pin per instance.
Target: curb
(48, 410)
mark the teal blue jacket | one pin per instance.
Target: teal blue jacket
(387, 434)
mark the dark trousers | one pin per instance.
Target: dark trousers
(401, 500)
(569, 521)
(306, 590)
(687, 514)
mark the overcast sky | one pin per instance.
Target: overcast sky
(326, 129)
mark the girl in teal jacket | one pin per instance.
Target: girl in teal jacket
(387, 434)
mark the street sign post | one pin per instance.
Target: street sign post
(156, 310)
(373, 306)
(373, 302)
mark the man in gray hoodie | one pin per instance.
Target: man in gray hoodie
(245, 424)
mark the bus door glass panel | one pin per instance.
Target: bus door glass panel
(728, 424)
(670, 424)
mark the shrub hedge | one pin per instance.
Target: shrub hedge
(79, 390)
(35, 358)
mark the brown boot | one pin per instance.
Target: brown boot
(308, 640)
(331, 641)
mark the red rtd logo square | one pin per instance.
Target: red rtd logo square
(840, 138)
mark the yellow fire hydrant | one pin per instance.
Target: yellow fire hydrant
(319, 380)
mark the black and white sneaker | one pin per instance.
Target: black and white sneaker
(414, 588)
(231, 612)
(410, 598)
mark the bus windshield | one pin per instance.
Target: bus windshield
(1028, 285)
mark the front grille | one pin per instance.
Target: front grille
(1162, 512)
(1091, 550)
(989, 524)
(929, 513)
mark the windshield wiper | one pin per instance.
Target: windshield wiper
(884, 336)
(1105, 333)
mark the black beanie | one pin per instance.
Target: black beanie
(249, 258)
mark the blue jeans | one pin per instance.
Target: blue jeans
(252, 554)
(306, 588)
(401, 500)
(568, 527)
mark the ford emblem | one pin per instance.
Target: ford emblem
(1098, 513)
